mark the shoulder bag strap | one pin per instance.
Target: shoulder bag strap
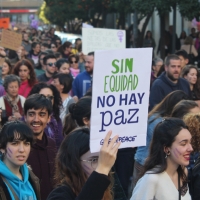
(179, 188)
(11, 188)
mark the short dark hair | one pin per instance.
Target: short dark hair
(45, 45)
(73, 56)
(60, 62)
(38, 101)
(91, 53)
(58, 54)
(13, 130)
(65, 80)
(49, 56)
(182, 53)
(77, 39)
(171, 57)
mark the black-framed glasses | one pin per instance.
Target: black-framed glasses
(73, 62)
(51, 64)
(93, 162)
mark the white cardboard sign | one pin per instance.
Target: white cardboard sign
(120, 96)
(102, 39)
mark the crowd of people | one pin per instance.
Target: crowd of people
(45, 101)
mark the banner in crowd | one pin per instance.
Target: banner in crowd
(102, 39)
(120, 96)
(11, 40)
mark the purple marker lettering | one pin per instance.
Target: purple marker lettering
(9, 150)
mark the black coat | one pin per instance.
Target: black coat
(93, 189)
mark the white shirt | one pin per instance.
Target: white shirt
(157, 187)
(63, 109)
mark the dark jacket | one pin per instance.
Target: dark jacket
(42, 161)
(162, 86)
(194, 181)
(93, 189)
(34, 181)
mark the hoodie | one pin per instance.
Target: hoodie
(22, 188)
(162, 86)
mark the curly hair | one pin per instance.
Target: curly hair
(28, 64)
(192, 121)
(57, 99)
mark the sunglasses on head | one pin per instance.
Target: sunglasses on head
(73, 62)
(51, 64)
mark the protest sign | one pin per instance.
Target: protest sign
(4, 23)
(11, 40)
(102, 39)
(120, 96)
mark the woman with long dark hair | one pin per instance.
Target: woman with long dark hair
(6, 69)
(24, 69)
(54, 127)
(34, 53)
(165, 175)
(81, 174)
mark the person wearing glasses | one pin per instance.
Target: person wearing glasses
(37, 113)
(24, 69)
(50, 62)
(17, 181)
(73, 60)
(81, 174)
(54, 128)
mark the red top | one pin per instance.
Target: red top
(24, 89)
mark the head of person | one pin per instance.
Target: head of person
(41, 58)
(73, 60)
(78, 163)
(193, 30)
(184, 107)
(44, 47)
(78, 41)
(25, 70)
(58, 42)
(50, 63)
(52, 93)
(156, 65)
(89, 62)
(66, 48)
(79, 115)
(6, 67)
(192, 121)
(58, 55)
(35, 47)
(63, 66)
(191, 74)
(37, 113)
(183, 35)
(165, 107)
(25, 37)
(188, 41)
(16, 139)
(170, 147)
(52, 31)
(11, 85)
(63, 82)
(148, 35)
(21, 52)
(173, 67)
(54, 46)
(183, 55)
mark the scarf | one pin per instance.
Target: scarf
(13, 103)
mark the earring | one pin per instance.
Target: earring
(167, 154)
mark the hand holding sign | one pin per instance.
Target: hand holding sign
(108, 154)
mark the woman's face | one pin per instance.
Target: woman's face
(24, 73)
(74, 63)
(41, 60)
(64, 68)
(53, 48)
(192, 76)
(68, 50)
(37, 48)
(5, 69)
(57, 84)
(13, 89)
(16, 153)
(157, 67)
(89, 162)
(48, 93)
(181, 148)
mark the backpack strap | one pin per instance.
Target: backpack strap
(11, 188)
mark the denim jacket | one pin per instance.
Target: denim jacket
(143, 151)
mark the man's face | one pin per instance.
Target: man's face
(184, 61)
(37, 120)
(89, 64)
(173, 70)
(51, 66)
